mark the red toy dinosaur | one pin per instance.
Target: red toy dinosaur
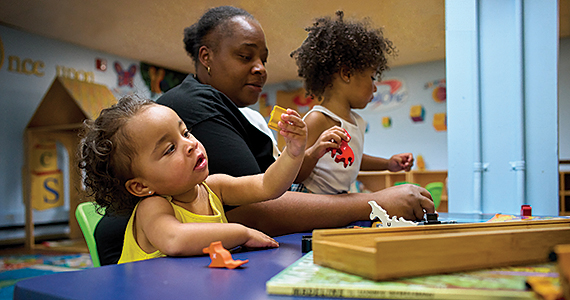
(344, 153)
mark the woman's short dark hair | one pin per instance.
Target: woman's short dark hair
(197, 35)
(335, 44)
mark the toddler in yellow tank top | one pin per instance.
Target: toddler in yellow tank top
(139, 158)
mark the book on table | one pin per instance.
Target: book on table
(304, 278)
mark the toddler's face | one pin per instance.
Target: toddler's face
(363, 87)
(169, 160)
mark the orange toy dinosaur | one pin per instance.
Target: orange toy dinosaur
(221, 258)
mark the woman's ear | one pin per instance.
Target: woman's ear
(137, 188)
(204, 56)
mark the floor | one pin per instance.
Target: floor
(59, 247)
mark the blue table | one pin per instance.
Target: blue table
(179, 278)
(169, 278)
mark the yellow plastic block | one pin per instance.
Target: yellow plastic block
(386, 122)
(440, 122)
(417, 113)
(276, 117)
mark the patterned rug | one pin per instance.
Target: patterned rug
(14, 268)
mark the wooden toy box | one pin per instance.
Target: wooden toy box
(389, 253)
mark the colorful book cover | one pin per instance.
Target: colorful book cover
(303, 278)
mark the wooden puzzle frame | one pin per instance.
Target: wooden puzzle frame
(389, 253)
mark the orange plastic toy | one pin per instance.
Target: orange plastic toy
(221, 258)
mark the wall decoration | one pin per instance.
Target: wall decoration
(440, 121)
(26, 66)
(386, 122)
(72, 73)
(439, 93)
(160, 80)
(125, 77)
(101, 64)
(420, 163)
(390, 94)
(296, 99)
(417, 113)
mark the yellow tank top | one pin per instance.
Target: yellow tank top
(131, 250)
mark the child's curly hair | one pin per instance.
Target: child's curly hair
(335, 44)
(105, 154)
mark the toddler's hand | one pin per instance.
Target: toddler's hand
(294, 130)
(402, 161)
(330, 138)
(258, 239)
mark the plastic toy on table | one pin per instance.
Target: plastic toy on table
(379, 213)
(221, 257)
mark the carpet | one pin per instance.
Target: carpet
(14, 268)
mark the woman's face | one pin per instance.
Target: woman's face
(238, 62)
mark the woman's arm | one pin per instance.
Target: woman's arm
(302, 212)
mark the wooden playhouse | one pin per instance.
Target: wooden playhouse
(58, 118)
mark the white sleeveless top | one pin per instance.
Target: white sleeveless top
(328, 176)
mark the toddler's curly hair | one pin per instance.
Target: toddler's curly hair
(335, 44)
(105, 154)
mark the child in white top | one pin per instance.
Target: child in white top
(139, 153)
(339, 62)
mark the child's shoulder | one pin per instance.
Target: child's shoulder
(153, 204)
(319, 119)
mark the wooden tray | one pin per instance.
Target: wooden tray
(389, 253)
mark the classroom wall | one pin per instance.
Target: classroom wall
(22, 88)
(21, 92)
(403, 135)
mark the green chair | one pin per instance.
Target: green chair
(87, 217)
(404, 182)
(435, 189)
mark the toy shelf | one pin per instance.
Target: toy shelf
(564, 193)
(375, 181)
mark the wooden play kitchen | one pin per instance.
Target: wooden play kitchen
(389, 253)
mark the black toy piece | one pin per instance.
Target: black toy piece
(307, 243)
(432, 219)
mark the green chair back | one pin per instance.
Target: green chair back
(436, 190)
(404, 182)
(88, 218)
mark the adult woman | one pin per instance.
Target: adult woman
(229, 51)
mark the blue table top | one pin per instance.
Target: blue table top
(170, 278)
(180, 277)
